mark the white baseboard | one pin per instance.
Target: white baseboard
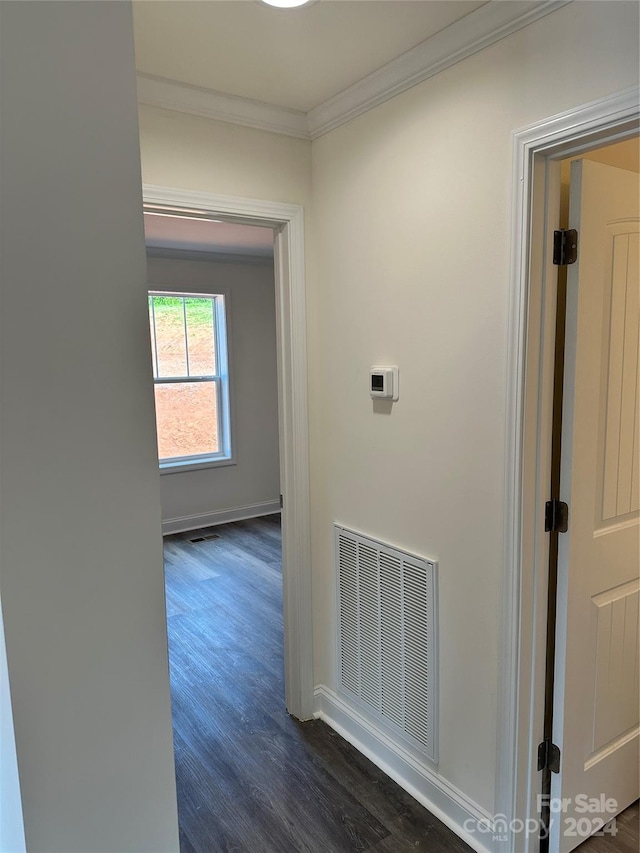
(441, 798)
(220, 516)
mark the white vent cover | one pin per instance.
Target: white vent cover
(387, 635)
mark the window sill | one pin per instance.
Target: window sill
(195, 465)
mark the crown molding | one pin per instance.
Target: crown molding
(486, 26)
(483, 27)
(183, 98)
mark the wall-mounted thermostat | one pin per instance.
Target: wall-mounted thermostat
(383, 383)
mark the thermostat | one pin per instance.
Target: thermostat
(383, 383)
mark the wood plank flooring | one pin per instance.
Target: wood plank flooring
(250, 778)
(625, 840)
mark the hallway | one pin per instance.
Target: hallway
(250, 778)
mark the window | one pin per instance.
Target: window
(188, 345)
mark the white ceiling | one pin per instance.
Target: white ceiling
(293, 58)
(204, 235)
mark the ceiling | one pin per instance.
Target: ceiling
(292, 58)
(186, 233)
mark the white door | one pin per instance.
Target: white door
(596, 692)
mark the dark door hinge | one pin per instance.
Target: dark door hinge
(548, 756)
(556, 517)
(281, 501)
(565, 246)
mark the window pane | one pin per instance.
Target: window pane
(186, 415)
(200, 335)
(170, 338)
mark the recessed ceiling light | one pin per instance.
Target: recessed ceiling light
(286, 4)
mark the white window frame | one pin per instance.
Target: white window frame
(224, 456)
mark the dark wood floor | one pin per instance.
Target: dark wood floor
(625, 837)
(250, 778)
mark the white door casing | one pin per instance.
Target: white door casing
(596, 711)
(288, 224)
(537, 150)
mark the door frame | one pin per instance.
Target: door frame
(287, 220)
(537, 151)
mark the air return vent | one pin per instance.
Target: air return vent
(387, 642)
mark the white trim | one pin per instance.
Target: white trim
(182, 467)
(433, 791)
(194, 100)
(288, 221)
(471, 34)
(235, 208)
(221, 516)
(524, 625)
(291, 326)
(483, 27)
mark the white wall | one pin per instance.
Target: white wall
(197, 498)
(196, 153)
(82, 577)
(410, 266)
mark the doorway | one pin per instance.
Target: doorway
(589, 754)
(288, 225)
(538, 152)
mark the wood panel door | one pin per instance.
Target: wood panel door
(596, 692)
